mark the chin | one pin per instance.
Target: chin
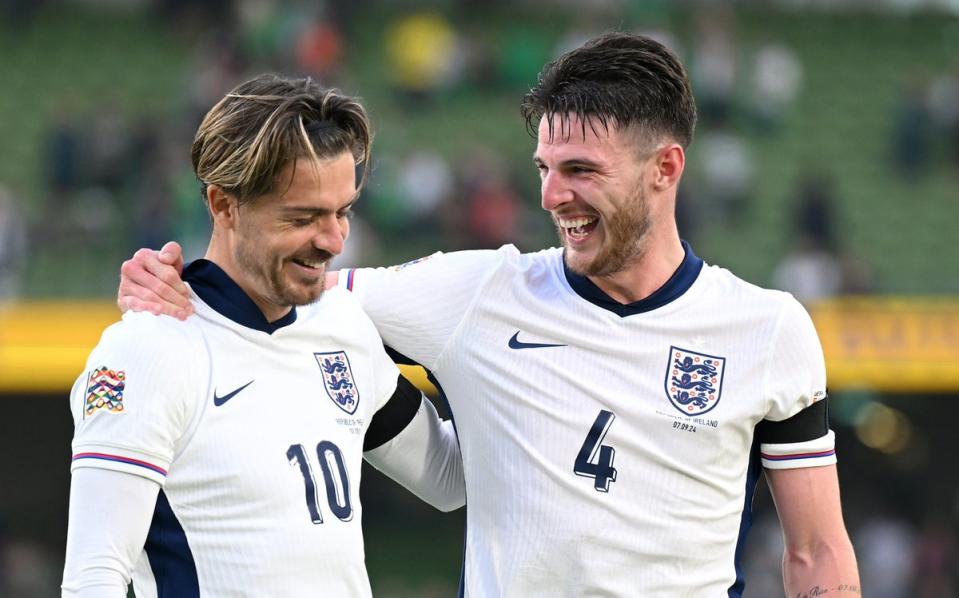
(584, 265)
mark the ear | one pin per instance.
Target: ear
(668, 164)
(222, 207)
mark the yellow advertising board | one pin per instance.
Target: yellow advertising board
(889, 344)
(44, 344)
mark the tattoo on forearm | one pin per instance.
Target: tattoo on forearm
(843, 588)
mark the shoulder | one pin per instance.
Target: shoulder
(335, 302)
(747, 298)
(340, 309)
(153, 346)
(145, 356)
(153, 334)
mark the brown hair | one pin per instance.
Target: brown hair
(619, 79)
(250, 135)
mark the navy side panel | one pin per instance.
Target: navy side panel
(752, 478)
(170, 555)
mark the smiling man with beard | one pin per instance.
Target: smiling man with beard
(221, 456)
(616, 399)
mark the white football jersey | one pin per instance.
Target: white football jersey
(254, 431)
(608, 449)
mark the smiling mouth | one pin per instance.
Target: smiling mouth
(578, 228)
(316, 265)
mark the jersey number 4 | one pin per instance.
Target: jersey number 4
(334, 474)
(595, 460)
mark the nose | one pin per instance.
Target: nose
(330, 234)
(554, 191)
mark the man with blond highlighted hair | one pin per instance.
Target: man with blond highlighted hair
(221, 456)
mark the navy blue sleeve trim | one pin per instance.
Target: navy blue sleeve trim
(394, 416)
(809, 424)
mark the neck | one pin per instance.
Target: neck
(221, 257)
(650, 270)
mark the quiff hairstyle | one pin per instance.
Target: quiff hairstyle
(250, 135)
(620, 80)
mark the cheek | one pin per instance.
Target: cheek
(345, 228)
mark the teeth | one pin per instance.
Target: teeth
(313, 265)
(574, 222)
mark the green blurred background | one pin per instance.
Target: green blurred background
(826, 162)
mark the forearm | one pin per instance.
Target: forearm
(425, 459)
(110, 514)
(826, 566)
(819, 557)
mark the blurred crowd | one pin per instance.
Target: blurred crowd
(115, 178)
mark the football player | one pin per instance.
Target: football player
(221, 456)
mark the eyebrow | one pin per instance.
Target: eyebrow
(569, 162)
(307, 210)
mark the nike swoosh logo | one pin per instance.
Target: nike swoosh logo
(515, 343)
(217, 401)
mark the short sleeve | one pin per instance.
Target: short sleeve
(137, 397)
(417, 306)
(796, 371)
(797, 431)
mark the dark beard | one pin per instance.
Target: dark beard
(626, 232)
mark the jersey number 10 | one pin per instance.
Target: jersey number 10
(595, 460)
(334, 474)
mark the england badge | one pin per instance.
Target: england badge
(338, 380)
(694, 381)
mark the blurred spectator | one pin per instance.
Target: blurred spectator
(936, 559)
(884, 548)
(809, 271)
(216, 68)
(425, 180)
(814, 216)
(108, 149)
(911, 130)
(493, 205)
(714, 62)
(62, 157)
(421, 54)
(725, 172)
(29, 570)
(815, 266)
(775, 81)
(319, 47)
(944, 109)
(13, 246)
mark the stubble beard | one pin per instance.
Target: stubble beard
(270, 271)
(626, 232)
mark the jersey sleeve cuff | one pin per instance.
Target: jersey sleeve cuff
(811, 453)
(345, 279)
(116, 459)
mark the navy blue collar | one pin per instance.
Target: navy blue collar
(218, 290)
(678, 283)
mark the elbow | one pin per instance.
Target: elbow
(448, 504)
(818, 553)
